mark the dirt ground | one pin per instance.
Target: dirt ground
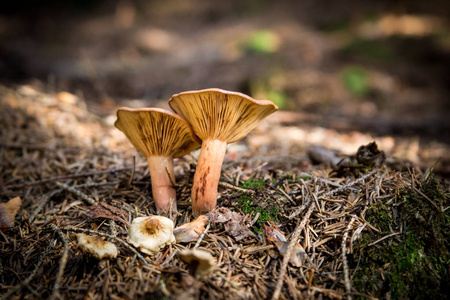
(343, 74)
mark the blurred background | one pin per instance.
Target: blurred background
(342, 72)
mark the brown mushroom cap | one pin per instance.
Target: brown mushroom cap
(200, 262)
(157, 132)
(221, 115)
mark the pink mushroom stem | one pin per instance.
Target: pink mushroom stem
(164, 192)
(207, 176)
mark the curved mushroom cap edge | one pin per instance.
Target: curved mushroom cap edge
(220, 114)
(157, 132)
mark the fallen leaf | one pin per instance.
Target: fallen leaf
(234, 223)
(190, 231)
(8, 212)
(106, 211)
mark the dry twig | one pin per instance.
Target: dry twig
(236, 188)
(78, 193)
(201, 236)
(292, 242)
(62, 264)
(335, 191)
(344, 257)
(41, 204)
(71, 176)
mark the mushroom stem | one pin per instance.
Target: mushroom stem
(207, 175)
(163, 191)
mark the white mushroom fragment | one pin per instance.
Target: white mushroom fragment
(95, 246)
(190, 231)
(159, 135)
(200, 263)
(8, 212)
(150, 234)
(218, 117)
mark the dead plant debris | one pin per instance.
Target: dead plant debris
(378, 234)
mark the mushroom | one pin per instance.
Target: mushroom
(149, 234)
(8, 212)
(217, 117)
(200, 262)
(159, 135)
(273, 234)
(190, 231)
(95, 246)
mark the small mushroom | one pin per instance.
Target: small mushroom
(8, 212)
(200, 263)
(218, 117)
(275, 235)
(95, 246)
(149, 234)
(190, 231)
(159, 135)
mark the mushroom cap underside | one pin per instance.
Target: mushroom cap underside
(157, 132)
(220, 114)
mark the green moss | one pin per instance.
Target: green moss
(253, 184)
(288, 179)
(266, 211)
(380, 214)
(413, 264)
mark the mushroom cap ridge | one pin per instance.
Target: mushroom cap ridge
(156, 131)
(220, 114)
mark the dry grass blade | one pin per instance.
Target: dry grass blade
(384, 237)
(344, 257)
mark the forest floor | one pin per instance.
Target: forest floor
(343, 77)
(362, 231)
